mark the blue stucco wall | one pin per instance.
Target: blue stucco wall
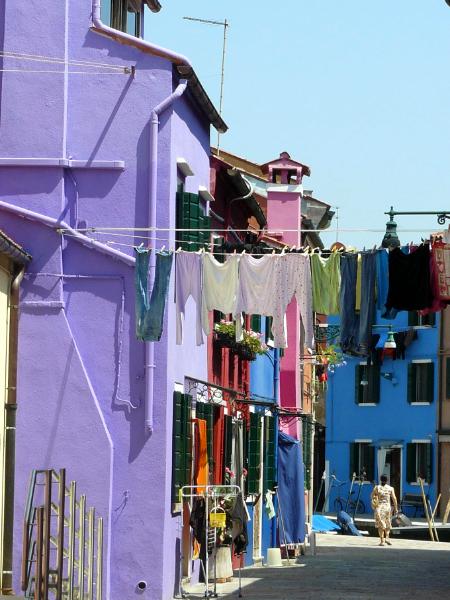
(262, 384)
(392, 419)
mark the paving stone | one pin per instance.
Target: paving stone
(350, 568)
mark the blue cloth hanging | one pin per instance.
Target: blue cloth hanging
(291, 489)
(150, 313)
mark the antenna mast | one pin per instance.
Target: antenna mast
(225, 26)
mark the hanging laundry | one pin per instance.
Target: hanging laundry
(367, 311)
(220, 285)
(409, 279)
(358, 283)
(349, 318)
(239, 516)
(441, 261)
(150, 313)
(267, 286)
(269, 507)
(188, 282)
(326, 282)
(382, 278)
(201, 454)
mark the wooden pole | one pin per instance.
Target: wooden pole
(436, 505)
(436, 537)
(447, 513)
(425, 507)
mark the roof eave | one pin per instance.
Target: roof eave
(201, 98)
(13, 250)
(153, 5)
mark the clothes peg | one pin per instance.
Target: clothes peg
(162, 249)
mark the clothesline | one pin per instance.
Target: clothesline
(61, 72)
(220, 230)
(53, 59)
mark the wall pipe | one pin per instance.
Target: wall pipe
(276, 395)
(58, 224)
(153, 191)
(131, 40)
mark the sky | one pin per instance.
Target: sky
(357, 90)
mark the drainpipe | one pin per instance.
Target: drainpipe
(10, 438)
(125, 38)
(276, 395)
(153, 189)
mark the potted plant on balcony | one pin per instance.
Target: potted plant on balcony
(251, 345)
(225, 333)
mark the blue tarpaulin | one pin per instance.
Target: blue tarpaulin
(291, 489)
(322, 524)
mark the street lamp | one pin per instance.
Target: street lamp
(390, 239)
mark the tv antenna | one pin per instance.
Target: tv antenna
(225, 26)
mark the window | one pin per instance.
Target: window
(124, 15)
(191, 215)
(420, 382)
(415, 319)
(255, 323)
(362, 460)
(367, 384)
(419, 462)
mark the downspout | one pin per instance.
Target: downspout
(153, 190)
(98, 24)
(10, 437)
(276, 396)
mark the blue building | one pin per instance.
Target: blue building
(381, 415)
(264, 381)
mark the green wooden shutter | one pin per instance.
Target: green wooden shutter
(255, 323)
(374, 383)
(181, 443)
(429, 463)
(254, 455)
(269, 453)
(186, 414)
(411, 475)
(429, 382)
(354, 458)
(359, 373)
(306, 450)
(411, 382)
(177, 446)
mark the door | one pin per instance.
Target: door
(395, 465)
(4, 343)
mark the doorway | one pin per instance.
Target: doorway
(390, 464)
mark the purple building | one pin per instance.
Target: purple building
(99, 128)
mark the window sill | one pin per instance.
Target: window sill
(420, 403)
(367, 404)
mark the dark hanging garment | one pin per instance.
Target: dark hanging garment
(409, 279)
(349, 318)
(198, 524)
(291, 489)
(239, 518)
(368, 310)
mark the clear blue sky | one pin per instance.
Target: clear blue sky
(357, 90)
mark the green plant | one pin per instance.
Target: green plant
(251, 340)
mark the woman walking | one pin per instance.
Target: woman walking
(384, 504)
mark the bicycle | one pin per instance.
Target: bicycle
(340, 503)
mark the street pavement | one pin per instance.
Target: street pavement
(349, 568)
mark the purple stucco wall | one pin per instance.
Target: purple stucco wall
(79, 360)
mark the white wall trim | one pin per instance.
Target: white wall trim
(363, 441)
(422, 360)
(420, 441)
(367, 404)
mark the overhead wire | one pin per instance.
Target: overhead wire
(54, 59)
(223, 230)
